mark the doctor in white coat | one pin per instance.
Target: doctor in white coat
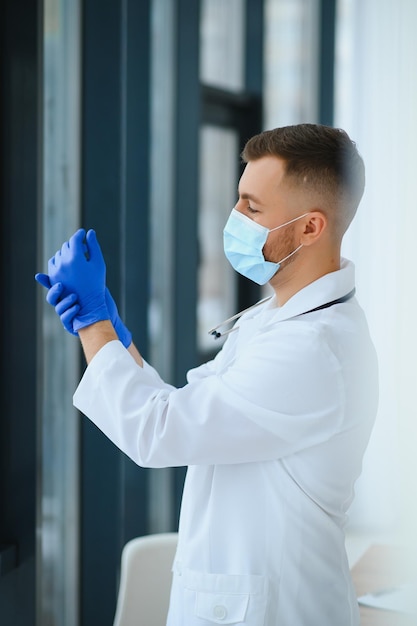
(273, 430)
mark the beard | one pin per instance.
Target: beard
(283, 245)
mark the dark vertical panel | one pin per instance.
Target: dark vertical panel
(101, 108)
(254, 49)
(115, 199)
(135, 227)
(326, 61)
(186, 202)
(251, 124)
(20, 72)
(136, 119)
(101, 461)
(186, 182)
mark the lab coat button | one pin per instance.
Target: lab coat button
(220, 611)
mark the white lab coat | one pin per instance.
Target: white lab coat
(273, 431)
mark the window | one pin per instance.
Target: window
(222, 49)
(219, 148)
(291, 62)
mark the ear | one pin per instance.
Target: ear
(314, 225)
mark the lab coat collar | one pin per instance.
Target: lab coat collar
(325, 289)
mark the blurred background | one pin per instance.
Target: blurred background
(129, 116)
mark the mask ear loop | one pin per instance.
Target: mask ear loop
(290, 222)
(290, 255)
(286, 224)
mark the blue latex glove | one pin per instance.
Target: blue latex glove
(124, 334)
(83, 275)
(67, 309)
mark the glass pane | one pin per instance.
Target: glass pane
(57, 507)
(218, 183)
(290, 81)
(222, 43)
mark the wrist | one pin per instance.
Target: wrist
(96, 336)
(124, 334)
(87, 318)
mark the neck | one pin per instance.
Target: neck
(294, 276)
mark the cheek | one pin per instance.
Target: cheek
(279, 246)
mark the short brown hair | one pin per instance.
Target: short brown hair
(320, 158)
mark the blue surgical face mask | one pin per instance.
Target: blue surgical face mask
(243, 241)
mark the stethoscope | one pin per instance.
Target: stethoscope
(216, 334)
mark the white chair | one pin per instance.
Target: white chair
(145, 580)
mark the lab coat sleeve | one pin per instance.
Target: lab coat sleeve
(269, 404)
(202, 371)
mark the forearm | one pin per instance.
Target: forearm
(96, 336)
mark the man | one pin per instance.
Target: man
(275, 427)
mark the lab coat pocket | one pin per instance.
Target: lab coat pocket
(225, 598)
(221, 608)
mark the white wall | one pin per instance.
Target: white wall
(377, 105)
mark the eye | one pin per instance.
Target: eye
(252, 210)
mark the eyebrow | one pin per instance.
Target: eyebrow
(249, 196)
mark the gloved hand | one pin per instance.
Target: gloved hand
(82, 275)
(67, 309)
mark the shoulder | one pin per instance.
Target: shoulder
(292, 361)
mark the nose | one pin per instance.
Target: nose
(241, 205)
